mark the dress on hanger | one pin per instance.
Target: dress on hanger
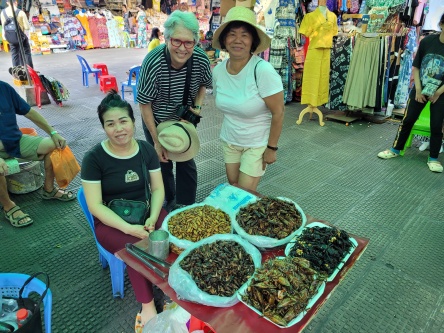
(83, 19)
(320, 31)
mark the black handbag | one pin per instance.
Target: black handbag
(34, 322)
(132, 211)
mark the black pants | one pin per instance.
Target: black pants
(17, 56)
(185, 187)
(412, 113)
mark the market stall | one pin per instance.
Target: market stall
(240, 317)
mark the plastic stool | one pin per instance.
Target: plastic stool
(101, 66)
(108, 82)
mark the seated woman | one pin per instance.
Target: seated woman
(113, 170)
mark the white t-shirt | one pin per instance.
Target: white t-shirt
(247, 119)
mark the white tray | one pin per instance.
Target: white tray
(263, 241)
(322, 225)
(299, 317)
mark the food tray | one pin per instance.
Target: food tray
(322, 225)
(184, 243)
(263, 241)
(297, 319)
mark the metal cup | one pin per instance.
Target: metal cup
(158, 244)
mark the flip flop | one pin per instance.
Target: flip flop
(15, 221)
(138, 327)
(66, 196)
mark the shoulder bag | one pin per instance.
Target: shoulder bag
(133, 211)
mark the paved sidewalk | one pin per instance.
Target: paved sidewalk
(332, 172)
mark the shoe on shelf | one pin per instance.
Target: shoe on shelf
(435, 166)
(386, 154)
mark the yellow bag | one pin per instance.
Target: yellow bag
(65, 166)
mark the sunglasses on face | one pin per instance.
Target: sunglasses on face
(188, 44)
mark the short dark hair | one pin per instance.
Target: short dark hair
(441, 21)
(154, 33)
(236, 25)
(111, 101)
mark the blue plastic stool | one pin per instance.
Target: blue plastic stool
(116, 266)
(86, 70)
(132, 83)
(10, 284)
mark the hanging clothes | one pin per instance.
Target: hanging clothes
(320, 30)
(83, 19)
(141, 31)
(340, 62)
(102, 32)
(362, 79)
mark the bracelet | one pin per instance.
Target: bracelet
(272, 148)
(197, 107)
(53, 133)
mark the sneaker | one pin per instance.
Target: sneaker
(424, 146)
(386, 154)
(435, 166)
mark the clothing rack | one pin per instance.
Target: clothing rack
(365, 19)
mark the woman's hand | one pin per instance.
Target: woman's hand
(150, 224)
(59, 141)
(137, 231)
(420, 97)
(161, 152)
(269, 157)
(435, 97)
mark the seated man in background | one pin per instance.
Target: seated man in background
(13, 144)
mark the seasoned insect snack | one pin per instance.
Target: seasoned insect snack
(282, 288)
(323, 247)
(219, 268)
(270, 217)
(199, 222)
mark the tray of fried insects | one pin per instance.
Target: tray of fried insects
(326, 247)
(283, 290)
(268, 222)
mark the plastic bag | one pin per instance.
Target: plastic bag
(65, 166)
(268, 242)
(185, 287)
(169, 321)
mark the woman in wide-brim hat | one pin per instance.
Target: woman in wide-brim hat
(249, 93)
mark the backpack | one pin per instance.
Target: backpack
(11, 30)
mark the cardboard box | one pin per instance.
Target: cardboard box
(226, 5)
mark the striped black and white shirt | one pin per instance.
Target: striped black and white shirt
(164, 87)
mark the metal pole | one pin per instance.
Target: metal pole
(21, 50)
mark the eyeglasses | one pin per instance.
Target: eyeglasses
(187, 43)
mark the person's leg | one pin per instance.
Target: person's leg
(15, 54)
(167, 172)
(186, 182)
(27, 50)
(251, 168)
(436, 121)
(412, 112)
(232, 157)
(232, 170)
(19, 216)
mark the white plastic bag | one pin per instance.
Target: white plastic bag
(184, 243)
(185, 287)
(169, 321)
(263, 241)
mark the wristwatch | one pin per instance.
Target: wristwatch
(272, 148)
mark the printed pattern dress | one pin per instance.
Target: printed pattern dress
(141, 32)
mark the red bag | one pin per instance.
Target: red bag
(65, 166)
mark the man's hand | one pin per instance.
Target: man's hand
(420, 97)
(3, 167)
(59, 141)
(435, 97)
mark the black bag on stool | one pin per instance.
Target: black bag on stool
(34, 322)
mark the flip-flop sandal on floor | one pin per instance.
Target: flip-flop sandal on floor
(138, 327)
(67, 195)
(15, 221)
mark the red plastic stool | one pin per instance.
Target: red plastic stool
(108, 82)
(101, 66)
(197, 324)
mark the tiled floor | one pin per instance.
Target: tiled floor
(332, 172)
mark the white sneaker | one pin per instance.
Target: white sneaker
(386, 154)
(424, 146)
(435, 166)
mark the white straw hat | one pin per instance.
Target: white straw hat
(246, 15)
(179, 138)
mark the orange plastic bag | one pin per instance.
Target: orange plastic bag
(65, 166)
